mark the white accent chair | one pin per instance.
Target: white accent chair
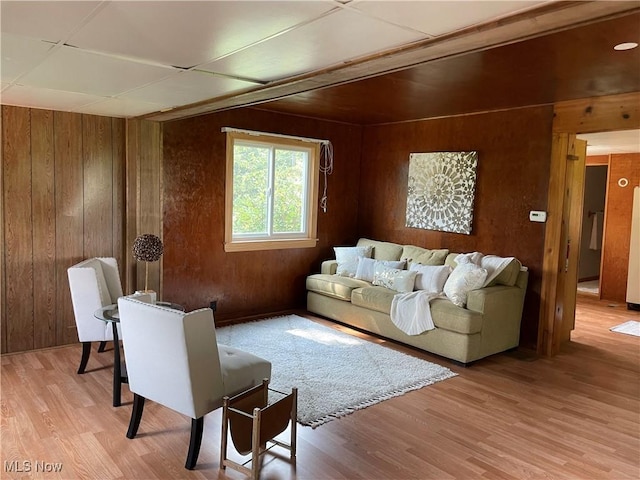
(173, 358)
(94, 283)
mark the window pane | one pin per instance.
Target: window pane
(271, 194)
(250, 188)
(289, 191)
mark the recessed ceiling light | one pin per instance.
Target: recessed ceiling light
(625, 46)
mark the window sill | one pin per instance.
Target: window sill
(249, 246)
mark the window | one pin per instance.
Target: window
(271, 192)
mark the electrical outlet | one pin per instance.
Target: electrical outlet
(213, 304)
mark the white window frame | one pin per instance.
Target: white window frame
(279, 241)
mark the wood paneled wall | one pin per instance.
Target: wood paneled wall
(143, 200)
(63, 186)
(196, 267)
(514, 149)
(617, 230)
(63, 199)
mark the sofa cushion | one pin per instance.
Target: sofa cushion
(444, 313)
(373, 298)
(334, 285)
(347, 258)
(382, 250)
(451, 260)
(456, 319)
(424, 256)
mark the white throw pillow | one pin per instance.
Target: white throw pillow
(394, 278)
(475, 258)
(366, 267)
(464, 278)
(347, 258)
(430, 277)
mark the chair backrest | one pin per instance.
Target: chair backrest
(172, 356)
(93, 283)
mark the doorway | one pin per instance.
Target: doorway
(588, 115)
(595, 189)
(604, 214)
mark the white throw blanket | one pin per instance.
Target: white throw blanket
(411, 313)
(494, 266)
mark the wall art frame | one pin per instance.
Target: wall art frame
(441, 191)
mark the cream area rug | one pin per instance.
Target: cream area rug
(632, 327)
(335, 373)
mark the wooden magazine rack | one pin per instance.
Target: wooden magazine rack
(253, 423)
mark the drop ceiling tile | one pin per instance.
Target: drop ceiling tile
(330, 40)
(20, 54)
(188, 87)
(189, 33)
(52, 21)
(121, 107)
(35, 97)
(73, 70)
(604, 143)
(439, 17)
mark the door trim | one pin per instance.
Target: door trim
(596, 114)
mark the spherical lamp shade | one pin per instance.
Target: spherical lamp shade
(147, 248)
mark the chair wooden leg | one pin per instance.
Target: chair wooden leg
(197, 426)
(117, 368)
(136, 415)
(294, 423)
(86, 351)
(102, 346)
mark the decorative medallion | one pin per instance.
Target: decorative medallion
(441, 191)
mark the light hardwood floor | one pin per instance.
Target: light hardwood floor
(512, 416)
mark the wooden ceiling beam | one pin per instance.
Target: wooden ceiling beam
(599, 114)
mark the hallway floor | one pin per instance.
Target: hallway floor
(591, 287)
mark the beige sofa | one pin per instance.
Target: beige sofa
(489, 324)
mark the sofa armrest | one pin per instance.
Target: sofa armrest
(329, 267)
(486, 299)
(501, 307)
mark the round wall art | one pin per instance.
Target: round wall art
(441, 191)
